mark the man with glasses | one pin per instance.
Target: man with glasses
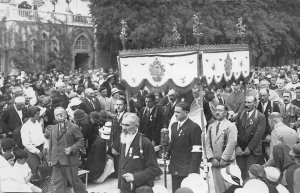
(220, 144)
(14, 116)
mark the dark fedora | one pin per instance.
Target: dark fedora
(296, 150)
(95, 116)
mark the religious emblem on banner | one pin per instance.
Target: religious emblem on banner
(157, 70)
(228, 65)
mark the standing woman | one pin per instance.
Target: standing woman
(33, 138)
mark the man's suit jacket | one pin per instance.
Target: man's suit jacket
(185, 149)
(108, 88)
(116, 130)
(291, 115)
(168, 113)
(11, 119)
(58, 142)
(87, 106)
(251, 131)
(215, 141)
(152, 126)
(271, 107)
(143, 169)
(64, 99)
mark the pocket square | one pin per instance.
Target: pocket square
(136, 157)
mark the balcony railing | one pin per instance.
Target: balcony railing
(32, 15)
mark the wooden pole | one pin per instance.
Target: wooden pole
(127, 100)
(203, 137)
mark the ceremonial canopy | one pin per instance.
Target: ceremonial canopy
(179, 68)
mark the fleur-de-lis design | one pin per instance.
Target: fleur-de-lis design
(183, 79)
(213, 67)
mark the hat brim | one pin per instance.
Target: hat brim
(227, 177)
(104, 136)
(292, 153)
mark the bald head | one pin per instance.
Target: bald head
(274, 118)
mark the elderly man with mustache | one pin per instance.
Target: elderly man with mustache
(251, 126)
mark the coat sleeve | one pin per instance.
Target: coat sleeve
(79, 141)
(209, 150)
(231, 143)
(259, 133)
(5, 117)
(195, 137)
(151, 167)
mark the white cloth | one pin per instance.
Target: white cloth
(23, 170)
(32, 136)
(109, 169)
(130, 139)
(20, 113)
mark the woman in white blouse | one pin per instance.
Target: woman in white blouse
(33, 138)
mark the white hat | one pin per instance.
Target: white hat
(20, 99)
(253, 186)
(230, 173)
(59, 84)
(195, 182)
(172, 92)
(105, 130)
(272, 174)
(159, 189)
(114, 91)
(75, 102)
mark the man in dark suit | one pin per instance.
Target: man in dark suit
(65, 142)
(138, 163)
(116, 130)
(251, 126)
(60, 93)
(290, 113)
(185, 146)
(173, 98)
(151, 120)
(14, 116)
(90, 103)
(266, 107)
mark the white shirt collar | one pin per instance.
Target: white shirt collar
(182, 122)
(250, 113)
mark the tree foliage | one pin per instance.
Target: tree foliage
(273, 26)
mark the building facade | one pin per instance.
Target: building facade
(36, 38)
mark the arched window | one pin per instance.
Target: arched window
(54, 46)
(44, 51)
(82, 43)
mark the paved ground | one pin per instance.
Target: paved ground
(110, 185)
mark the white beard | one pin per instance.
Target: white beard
(126, 138)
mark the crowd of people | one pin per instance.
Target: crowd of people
(83, 120)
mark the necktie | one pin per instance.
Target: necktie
(62, 129)
(178, 126)
(217, 128)
(285, 108)
(92, 104)
(220, 100)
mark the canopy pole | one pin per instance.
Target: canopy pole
(203, 135)
(127, 100)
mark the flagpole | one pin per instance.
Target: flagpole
(203, 136)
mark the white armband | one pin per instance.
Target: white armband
(197, 148)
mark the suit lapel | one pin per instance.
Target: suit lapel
(134, 146)
(17, 115)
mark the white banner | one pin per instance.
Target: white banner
(227, 64)
(181, 67)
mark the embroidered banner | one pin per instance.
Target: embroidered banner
(179, 68)
(227, 65)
